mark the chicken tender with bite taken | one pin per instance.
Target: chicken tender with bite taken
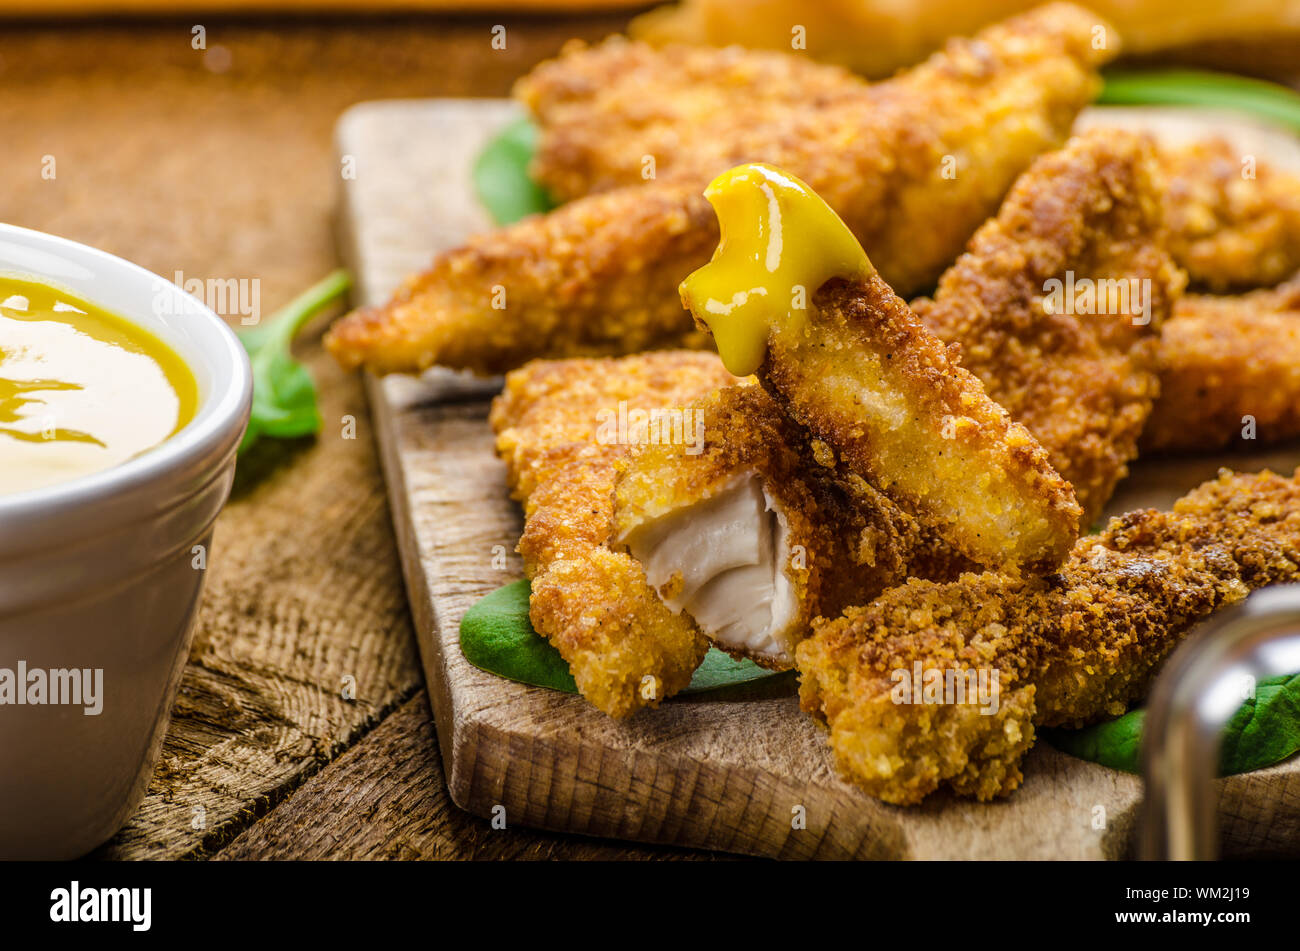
(625, 649)
(756, 532)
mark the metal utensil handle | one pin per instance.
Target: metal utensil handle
(1202, 685)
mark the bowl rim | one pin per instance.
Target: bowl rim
(219, 419)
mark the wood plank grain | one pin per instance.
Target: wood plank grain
(701, 772)
(386, 798)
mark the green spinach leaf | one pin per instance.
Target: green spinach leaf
(1114, 743)
(284, 397)
(1192, 87)
(501, 177)
(719, 670)
(1264, 730)
(497, 636)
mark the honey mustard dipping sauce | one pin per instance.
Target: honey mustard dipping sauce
(780, 242)
(81, 389)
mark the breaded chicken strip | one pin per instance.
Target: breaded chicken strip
(699, 110)
(1067, 650)
(603, 109)
(791, 295)
(754, 533)
(625, 649)
(1234, 223)
(593, 278)
(1058, 302)
(914, 166)
(1226, 363)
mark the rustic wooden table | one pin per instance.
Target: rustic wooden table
(218, 163)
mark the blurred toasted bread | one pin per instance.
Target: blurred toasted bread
(877, 37)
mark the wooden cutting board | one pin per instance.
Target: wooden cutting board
(714, 773)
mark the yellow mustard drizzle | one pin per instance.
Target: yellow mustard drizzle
(17, 395)
(780, 242)
(143, 392)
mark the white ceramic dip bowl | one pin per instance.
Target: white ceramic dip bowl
(100, 576)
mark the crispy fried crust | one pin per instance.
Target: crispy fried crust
(1070, 649)
(926, 156)
(593, 278)
(625, 649)
(1082, 383)
(1222, 360)
(853, 542)
(605, 108)
(551, 409)
(1229, 230)
(866, 376)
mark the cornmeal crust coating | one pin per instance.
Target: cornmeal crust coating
(1230, 229)
(1079, 372)
(866, 376)
(1226, 363)
(1069, 649)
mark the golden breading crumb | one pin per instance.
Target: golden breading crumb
(552, 404)
(1077, 369)
(1227, 363)
(1229, 230)
(605, 108)
(1069, 649)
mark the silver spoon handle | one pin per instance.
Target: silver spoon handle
(1200, 688)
